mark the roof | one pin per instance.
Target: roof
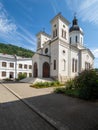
(44, 33)
(89, 52)
(59, 16)
(75, 26)
(13, 57)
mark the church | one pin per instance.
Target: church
(61, 55)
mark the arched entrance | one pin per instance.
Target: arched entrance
(46, 70)
(35, 70)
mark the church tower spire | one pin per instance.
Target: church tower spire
(75, 33)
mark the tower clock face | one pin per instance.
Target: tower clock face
(46, 50)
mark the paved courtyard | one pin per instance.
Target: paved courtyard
(15, 115)
(69, 113)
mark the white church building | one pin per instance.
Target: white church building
(61, 55)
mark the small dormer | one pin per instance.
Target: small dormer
(42, 37)
(60, 28)
(75, 33)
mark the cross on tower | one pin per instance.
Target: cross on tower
(75, 14)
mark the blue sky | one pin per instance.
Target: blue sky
(21, 20)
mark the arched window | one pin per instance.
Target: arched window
(72, 65)
(76, 39)
(35, 70)
(75, 65)
(54, 65)
(54, 33)
(70, 40)
(63, 33)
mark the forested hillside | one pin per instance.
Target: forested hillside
(12, 50)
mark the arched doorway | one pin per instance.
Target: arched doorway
(46, 70)
(35, 70)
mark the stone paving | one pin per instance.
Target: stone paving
(15, 115)
(69, 113)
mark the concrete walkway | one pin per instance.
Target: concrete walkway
(69, 113)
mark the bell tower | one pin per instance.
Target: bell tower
(60, 28)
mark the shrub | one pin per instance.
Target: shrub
(45, 84)
(70, 84)
(84, 86)
(8, 79)
(87, 82)
(21, 76)
(59, 90)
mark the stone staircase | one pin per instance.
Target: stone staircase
(34, 80)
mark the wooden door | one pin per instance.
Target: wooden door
(46, 70)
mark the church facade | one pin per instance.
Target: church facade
(62, 55)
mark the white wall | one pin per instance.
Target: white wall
(74, 54)
(86, 58)
(65, 27)
(54, 56)
(79, 36)
(63, 55)
(41, 38)
(39, 59)
(8, 69)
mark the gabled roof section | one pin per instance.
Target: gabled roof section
(43, 33)
(88, 50)
(59, 16)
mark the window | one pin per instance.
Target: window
(25, 66)
(30, 66)
(46, 50)
(87, 65)
(55, 25)
(70, 40)
(3, 74)
(76, 39)
(54, 65)
(25, 74)
(19, 73)
(63, 34)
(74, 65)
(64, 52)
(4, 64)
(12, 65)
(11, 75)
(64, 26)
(54, 33)
(20, 65)
(30, 74)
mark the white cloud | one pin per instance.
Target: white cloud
(6, 25)
(87, 10)
(95, 52)
(12, 33)
(54, 6)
